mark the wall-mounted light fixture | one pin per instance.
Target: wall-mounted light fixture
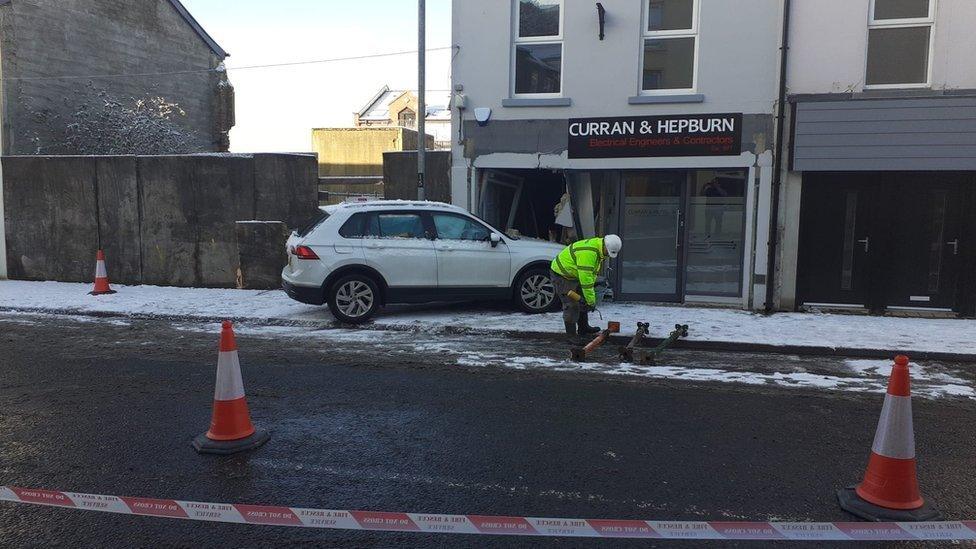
(602, 13)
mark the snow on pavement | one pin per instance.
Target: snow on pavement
(706, 324)
(930, 380)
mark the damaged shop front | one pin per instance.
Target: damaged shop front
(681, 191)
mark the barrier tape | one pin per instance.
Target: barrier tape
(491, 525)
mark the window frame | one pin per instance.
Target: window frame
(468, 218)
(425, 220)
(537, 40)
(915, 22)
(646, 35)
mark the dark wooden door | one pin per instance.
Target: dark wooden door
(839, 238)
(927, 241)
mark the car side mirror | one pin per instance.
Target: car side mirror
(494, 238)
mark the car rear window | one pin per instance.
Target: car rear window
(315, 221)
(354, 227)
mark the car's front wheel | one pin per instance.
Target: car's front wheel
(535, 292)
(354, 298)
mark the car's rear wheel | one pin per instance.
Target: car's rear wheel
(354, 298)
(535, 292)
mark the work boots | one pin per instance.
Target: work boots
(584, 325)
(571, 336)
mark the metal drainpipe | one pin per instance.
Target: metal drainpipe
(778, 163)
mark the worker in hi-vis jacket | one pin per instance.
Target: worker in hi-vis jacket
(574, 273)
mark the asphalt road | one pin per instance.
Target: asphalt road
(110, 407)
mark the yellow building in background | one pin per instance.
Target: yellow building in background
(359, 151)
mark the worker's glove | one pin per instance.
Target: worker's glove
(587, 308)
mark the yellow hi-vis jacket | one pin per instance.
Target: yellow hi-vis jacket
(581, 261)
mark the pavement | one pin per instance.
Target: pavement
(715, 329)
(385, 420)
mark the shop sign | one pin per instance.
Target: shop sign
(647, 136)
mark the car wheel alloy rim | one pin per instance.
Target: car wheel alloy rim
(537, 291)
(354, 298)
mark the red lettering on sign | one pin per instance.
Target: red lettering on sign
(375, 520)
(155, 507)
(47, 497)
(267, 514)
(623, 528)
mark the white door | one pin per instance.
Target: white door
(465, 256)
(398, 246)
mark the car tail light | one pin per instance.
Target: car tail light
(304, 252)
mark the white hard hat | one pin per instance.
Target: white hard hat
(613, 244)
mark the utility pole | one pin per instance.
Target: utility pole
(421, 98)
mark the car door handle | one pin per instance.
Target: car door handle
(376, 245)
(955, 246)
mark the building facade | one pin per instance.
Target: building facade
(651, 119)
(399, 108)
(110, 77)
(878, 203)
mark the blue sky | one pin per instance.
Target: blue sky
(278, 107)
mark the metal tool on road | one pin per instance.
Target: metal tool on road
(580, 353)
(627, 351)
(635, 353)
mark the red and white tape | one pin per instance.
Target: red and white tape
(481, 524)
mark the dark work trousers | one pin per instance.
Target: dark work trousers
(571, 308)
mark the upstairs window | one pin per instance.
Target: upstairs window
(899, 43)
(407, 119)
(670, 41)
(538, 48)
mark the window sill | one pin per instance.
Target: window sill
(665, 99)
(537, 102)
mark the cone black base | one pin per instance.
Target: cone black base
(110, 292)
(853, 504)
(204, 445)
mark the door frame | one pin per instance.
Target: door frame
(617, 221)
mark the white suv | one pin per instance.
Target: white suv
(358, 256)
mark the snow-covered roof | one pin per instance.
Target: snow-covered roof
(380, 204)
(378, 108)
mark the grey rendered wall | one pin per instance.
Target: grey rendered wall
(43, 38)
(166, 220)
(738, 56)
(837, 64)
(886, 134)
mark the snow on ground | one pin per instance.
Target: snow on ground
(727, 325)
(930, 381)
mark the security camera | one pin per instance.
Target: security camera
(482, 115)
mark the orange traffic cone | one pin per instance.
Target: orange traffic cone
(101, 276)
(231, 430)
(889, 491)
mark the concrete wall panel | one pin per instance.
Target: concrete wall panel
(170, 225)
(118, 200)
(165, 220)
(400, 176)
(50, 219)
(286, 188)
(224, 193)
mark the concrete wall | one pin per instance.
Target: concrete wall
(359, 151)
(43, 38)
(165, 220)
(837, 64)
(400, 176)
